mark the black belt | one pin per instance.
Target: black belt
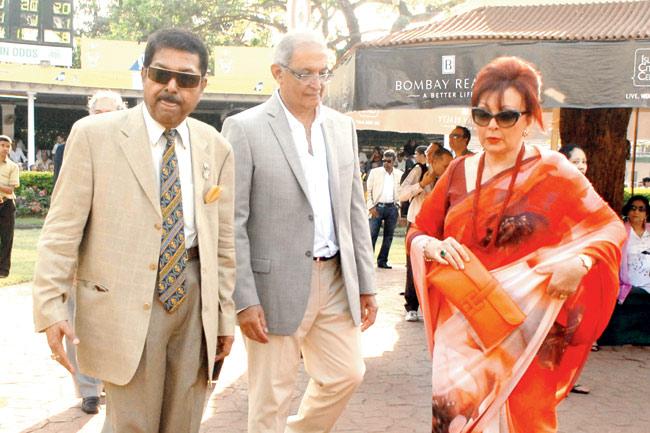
(324, 259)
(385, 204)
(193, 253)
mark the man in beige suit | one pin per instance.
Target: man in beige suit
(383, 204)
(142, 219)
(304, 276)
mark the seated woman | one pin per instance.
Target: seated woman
(630, 323)
(507, 346)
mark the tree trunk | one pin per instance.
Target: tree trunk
(602, 134)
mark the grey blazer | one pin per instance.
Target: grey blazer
(274, 222)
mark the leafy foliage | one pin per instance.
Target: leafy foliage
(33, 194)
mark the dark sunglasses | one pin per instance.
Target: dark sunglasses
(455, 135)
(163, 76)
(387, 160)
(639, 208)
(505, 118)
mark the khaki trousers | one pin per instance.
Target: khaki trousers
(331, 347)
(167, 393)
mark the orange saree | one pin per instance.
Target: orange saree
(553, 214)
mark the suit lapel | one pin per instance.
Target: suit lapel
(280, 127)
(201, 167)
(137, 149)
(329, 132)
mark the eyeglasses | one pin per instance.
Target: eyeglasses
(455, 135)
(638, 208)
(323, 77)
(183, 79)
(505, 118)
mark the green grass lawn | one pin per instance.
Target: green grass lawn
(23, 257)
(397, 253)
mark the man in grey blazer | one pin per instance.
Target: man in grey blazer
(304, 276)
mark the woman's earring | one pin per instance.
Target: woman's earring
(525, 133)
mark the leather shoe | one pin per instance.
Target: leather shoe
(384, 266)
(90, 405)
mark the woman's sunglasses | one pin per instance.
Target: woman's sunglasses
(637, 208)
(505, 118)
(163, 76)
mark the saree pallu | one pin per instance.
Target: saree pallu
(553, 215)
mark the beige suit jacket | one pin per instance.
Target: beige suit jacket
(103, 229)
(375, 185)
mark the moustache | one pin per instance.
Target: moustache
(174, 99)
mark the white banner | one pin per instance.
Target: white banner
(35, 54)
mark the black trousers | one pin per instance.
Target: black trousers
(7, 222)
(410, 294)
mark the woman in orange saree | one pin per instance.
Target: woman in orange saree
(538, 226)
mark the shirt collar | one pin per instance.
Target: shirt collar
(155, 129)
(295, 123)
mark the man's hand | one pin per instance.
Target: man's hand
(373, 212)
(368, 311)
(55, 334)
(253, 323)
(224, 345)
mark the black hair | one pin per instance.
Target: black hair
(177, 39)
(421, 150)
(567, 149)
(466, 132)
(440, 152)
(628, 205)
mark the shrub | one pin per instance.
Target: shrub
(33, 194)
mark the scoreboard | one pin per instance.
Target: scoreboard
(36, 31)
(46, 22)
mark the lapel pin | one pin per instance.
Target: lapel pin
(206, 171)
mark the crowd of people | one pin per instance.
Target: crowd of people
(172, 233)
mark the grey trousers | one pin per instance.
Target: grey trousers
(86, 386)
(168, 391)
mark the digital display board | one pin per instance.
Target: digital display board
(42, 22)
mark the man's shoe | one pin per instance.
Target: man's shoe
(384, 266)
(411, 316)
(90, 405)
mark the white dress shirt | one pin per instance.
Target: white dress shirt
(638, 263)
(184, 155)
(387, 195)
(315, 169)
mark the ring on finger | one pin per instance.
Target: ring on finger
(55, 357)
(443, 253)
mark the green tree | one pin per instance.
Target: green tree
(250, 22)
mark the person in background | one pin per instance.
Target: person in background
(59, 141)
(17, 153)
(414, 189)
(104, 101)
(374, 161)
(9, 181)
(459, 140)
(401, 161)
(89, 388)
(383, 204)
(544, 241)
(577, 157)
(646, 182)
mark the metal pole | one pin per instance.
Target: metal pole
(31, 145)
(634, 136)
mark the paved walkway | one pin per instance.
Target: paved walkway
(36, 394)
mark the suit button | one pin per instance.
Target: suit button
(308, 253)
(311, 217)
(146, 306)
(157, 226)
(153, 267)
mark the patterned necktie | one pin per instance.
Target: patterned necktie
(173, 257)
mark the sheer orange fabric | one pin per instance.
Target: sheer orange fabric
(553, 215)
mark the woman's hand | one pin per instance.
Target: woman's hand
(447, 252)
(565, 276)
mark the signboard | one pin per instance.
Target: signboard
(43, 27)
(575, 74)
